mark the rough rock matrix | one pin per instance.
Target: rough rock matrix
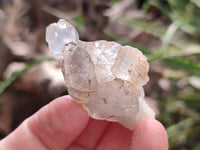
(104, 77)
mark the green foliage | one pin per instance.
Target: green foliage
(170, 33)
(146, 26)
(160, 5)
(189, 66)
(7, 82)
(193, 104)
(182, 131)
(185, 11)
(191, 100)
(80, 21)
(115, 1)
(176, 129)
(197, 147)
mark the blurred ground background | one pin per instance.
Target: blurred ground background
(166, 31)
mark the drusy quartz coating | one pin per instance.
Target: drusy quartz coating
(104, 77)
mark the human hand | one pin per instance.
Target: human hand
(64, 125)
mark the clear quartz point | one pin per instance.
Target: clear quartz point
(59, 34)
(104, 77)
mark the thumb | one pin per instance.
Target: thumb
(55, 126)
(150, 134)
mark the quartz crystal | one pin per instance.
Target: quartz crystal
(104, 77)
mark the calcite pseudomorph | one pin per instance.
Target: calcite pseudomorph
(104, 77)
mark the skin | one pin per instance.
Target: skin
(64, 125)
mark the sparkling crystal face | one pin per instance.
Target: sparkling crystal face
(103, 76)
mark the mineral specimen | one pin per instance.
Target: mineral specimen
(104, 77)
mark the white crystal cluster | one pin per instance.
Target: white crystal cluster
(104, 77)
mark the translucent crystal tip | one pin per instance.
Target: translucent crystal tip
(58, 34)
